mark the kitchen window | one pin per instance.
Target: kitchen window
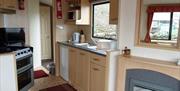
(100, 22)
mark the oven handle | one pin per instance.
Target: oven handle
(28, 56)
(25, 69)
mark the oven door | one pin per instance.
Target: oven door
(24, 62)
(25, 79)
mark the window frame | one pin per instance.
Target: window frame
(92, 30)
(170, 28)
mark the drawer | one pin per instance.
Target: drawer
(72, 49)
(97, 59)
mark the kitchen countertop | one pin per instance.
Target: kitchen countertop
(99, 52)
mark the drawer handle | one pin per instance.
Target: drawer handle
(95, 59)
(96, 69)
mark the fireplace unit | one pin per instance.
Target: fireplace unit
(146, 80)
(145, 74)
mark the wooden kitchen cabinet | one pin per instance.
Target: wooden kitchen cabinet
(9, 4)
(114, 8)
(84, 17)
(78, 15)
(6, 5)
(87, 71)
(83, 70)
(1, 3)
(97, 78)
(97, 59)
(8, 72)
(79, 69)
(72, 66)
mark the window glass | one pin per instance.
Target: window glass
(165, 26)
(175, 25)
(160, 26)
(101, 27)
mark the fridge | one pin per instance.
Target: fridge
(64, 62)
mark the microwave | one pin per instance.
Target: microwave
(73, 15)
(12, 36)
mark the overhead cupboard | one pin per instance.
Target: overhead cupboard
(114, 11)
(8, 6)
(79, 11)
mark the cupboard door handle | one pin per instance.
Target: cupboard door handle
(82, 54)
(10, 6)
(114, 19)
(96, 69)
(72, 51)
(95, 59)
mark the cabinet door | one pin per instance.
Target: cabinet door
(10, 4)
(83, 71)
(97, 78)
(84, 13)
(114, 11)
(72, 66)
(1, 3)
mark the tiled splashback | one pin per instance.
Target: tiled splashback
(101, 44)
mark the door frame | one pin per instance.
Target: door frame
(51, 23)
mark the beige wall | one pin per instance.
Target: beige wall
(87, 32)
(34, 30)
(127, 27)
(145, 4)
(64, 30)
(20, 19)
(29, 19)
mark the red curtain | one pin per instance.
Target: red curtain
(164, 8)
(149, 23)
(158, 8)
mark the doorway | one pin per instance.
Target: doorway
(46, 34)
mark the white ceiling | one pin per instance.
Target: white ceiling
(49, 2)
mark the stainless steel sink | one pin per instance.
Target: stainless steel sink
(87, 45)
(81, 44)
(92, 47)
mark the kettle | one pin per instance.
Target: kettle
(76, 37)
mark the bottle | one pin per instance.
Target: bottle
(82, 38)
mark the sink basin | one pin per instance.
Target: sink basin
(92, 47)
(87, 45)
(81, 44)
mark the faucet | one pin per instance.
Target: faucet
(95, 41)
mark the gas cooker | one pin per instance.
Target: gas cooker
(20, 51)
(23, 53)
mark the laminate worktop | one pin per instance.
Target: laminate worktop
(96, 51)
